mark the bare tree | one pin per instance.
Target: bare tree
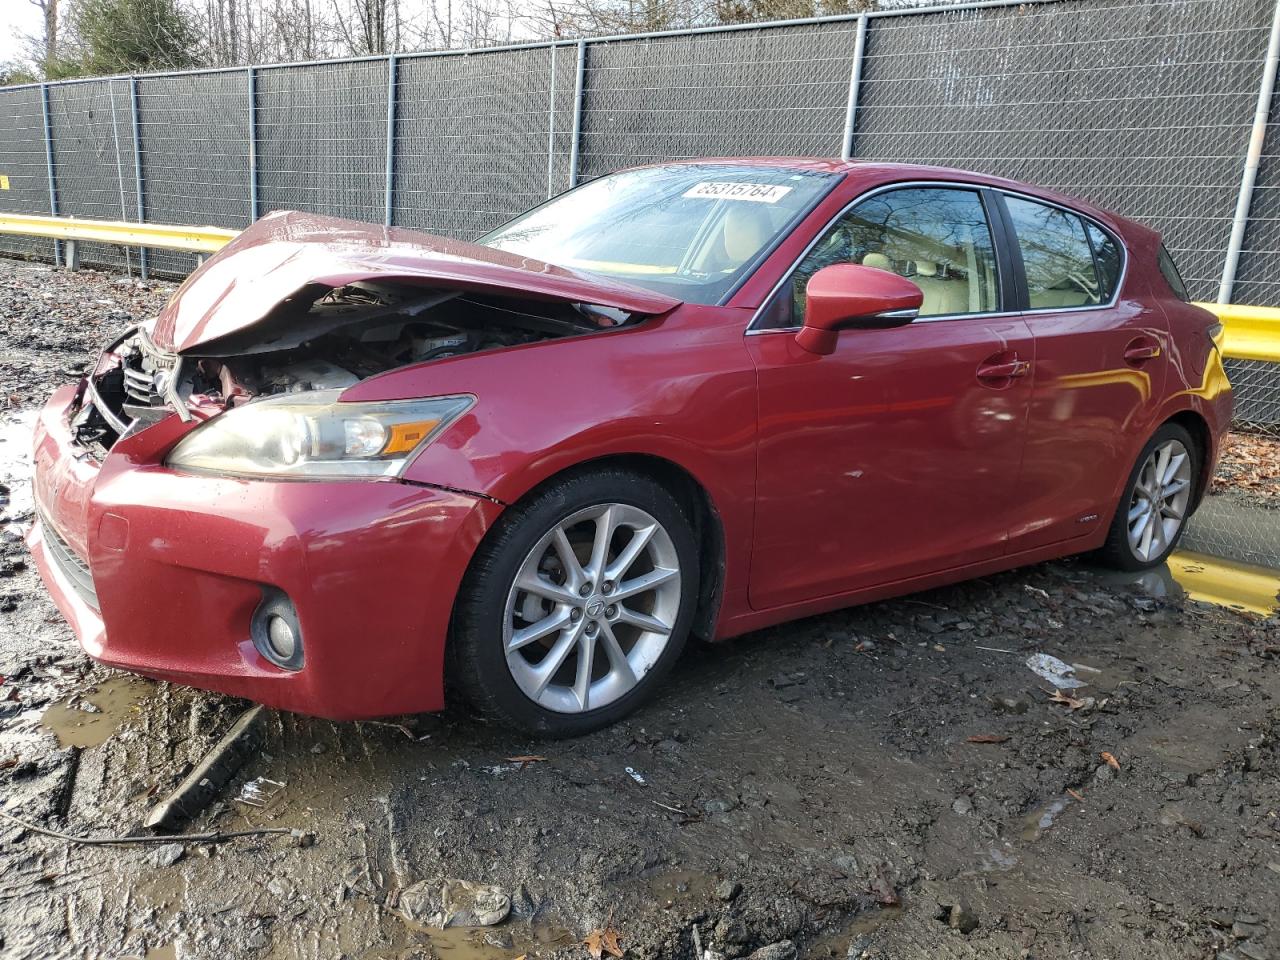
(46, 46)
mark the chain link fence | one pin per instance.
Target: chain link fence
(1146, 107)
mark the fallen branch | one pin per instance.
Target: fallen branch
(216, 837)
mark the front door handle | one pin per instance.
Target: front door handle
(1005, 370)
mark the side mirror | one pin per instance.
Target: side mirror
(846, 295)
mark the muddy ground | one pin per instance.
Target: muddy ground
(816, 783)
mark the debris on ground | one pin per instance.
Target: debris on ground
(1249, 465)
(1057, 672)
(604, 941)
(454, 903)
(259, 791)
(212, 773)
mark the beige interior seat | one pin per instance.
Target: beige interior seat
(879, 261)
(941, 295)
(746, 228)
(1064, 293)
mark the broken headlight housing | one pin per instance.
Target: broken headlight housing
(313, 436)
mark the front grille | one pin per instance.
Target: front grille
(71, 565)
(140, 386)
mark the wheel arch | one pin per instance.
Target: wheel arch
(1195, 424)
(693, 496)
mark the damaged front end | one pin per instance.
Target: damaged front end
(306, 305)
(161, 532)
(321, 340)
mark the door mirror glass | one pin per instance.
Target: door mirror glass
(846, 295)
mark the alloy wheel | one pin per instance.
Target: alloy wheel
(592, 608)
(1160, 500)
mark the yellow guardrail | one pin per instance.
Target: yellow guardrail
(1250, 333)
(157, 236)
(1226, 582)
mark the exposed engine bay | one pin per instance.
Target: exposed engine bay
(322, 338)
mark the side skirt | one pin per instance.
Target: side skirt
(748, 621)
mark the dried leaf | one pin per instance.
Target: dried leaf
(1111, 760)
(606, 940)
(523, 759)
(882, 888)
(987, 738)
(1066, 700)
(1078, 796)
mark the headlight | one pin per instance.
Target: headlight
(313, 435)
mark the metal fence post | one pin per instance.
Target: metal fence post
(1253, 157)
(577, 114)
(551, 128)
(143, 253)
(252, 76)
(393, 68)
(855, 81)
(115, 142)
(48, 161)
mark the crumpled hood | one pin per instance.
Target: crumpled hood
(284, 252)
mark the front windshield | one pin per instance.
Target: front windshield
(687, 230)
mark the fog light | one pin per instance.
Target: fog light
(275, 630)
(280, 637)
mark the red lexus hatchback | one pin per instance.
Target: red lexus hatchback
(348, 466)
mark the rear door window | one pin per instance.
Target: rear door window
(1056, 256)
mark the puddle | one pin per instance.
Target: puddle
(112, 701)
(505, 942)
(997, 858)
(1207, 579)
(680, 886)
(16, 433)
(497, 943)
(1038, 822)
(845, 942)
(1226, 583)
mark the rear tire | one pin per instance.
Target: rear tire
(1157, 501)
(577, 604)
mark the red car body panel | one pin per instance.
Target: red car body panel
(284, 252)
(887, 466)
(179, 562)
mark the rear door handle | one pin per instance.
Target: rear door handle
(1139, 350)
(1004, 371)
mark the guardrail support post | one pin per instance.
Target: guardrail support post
(48, 161)
(251, 75)
(143, 253)
(73, 254)
(855, 81)
(390, 191)
(577, 114)
(1252, 158)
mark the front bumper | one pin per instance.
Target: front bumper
(159, 572)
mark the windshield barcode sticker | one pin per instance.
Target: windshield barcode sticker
(725, 190)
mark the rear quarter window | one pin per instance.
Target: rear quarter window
(1107, 257)
(1169, 270)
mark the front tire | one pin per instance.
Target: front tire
(577, 605)
(1157, 501)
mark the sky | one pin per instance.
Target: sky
(16, 17)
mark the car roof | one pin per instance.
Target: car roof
(871, 173)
